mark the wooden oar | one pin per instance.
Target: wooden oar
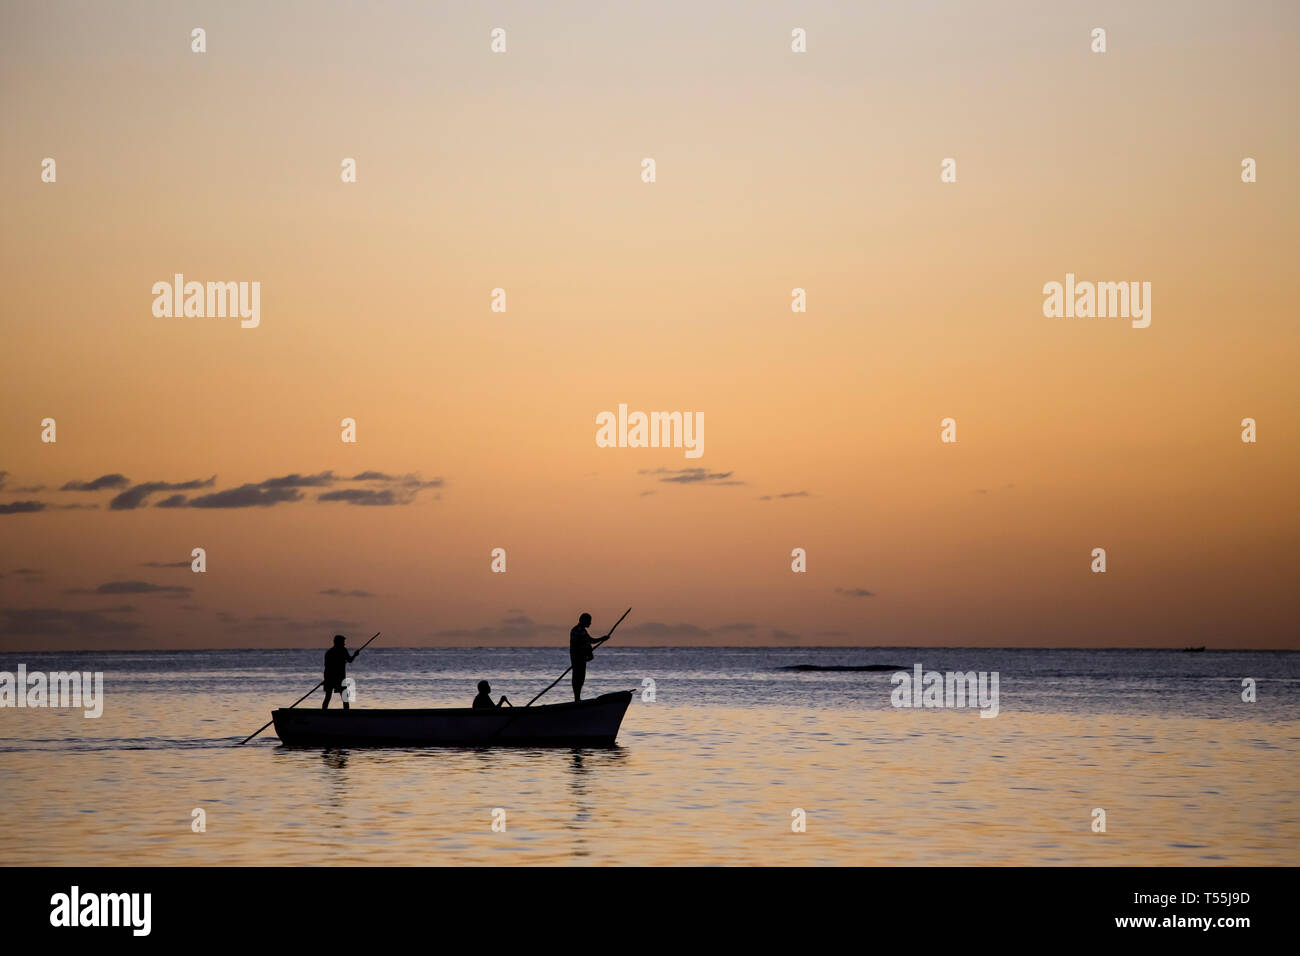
(302, 698)
(594, 645)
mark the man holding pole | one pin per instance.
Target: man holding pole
(580, 645)
(339, 641)
(337, 660)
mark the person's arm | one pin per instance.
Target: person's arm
(505, 702)
(354, 657)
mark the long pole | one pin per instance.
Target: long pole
(570, 667)
(302, 698)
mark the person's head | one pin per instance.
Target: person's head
(484, 687)
(339, 640)
(585, 619)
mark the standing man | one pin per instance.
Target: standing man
(580, 645)
(337, 660)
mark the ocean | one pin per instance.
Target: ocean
(724, 757)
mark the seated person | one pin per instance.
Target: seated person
(484, 698)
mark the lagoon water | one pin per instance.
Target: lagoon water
(709, 772)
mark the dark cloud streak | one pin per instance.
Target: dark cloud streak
(56, 622)
(365, 496)
(98, 484)
(135, 587)
(692, 476)
(135, 496)
(247, 496)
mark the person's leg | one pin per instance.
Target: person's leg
(579, 676)
(328, 693)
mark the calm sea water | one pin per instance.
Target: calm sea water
(709, 772)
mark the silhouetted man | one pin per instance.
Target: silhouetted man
(337, 660)
(484, 698)
(580, 645)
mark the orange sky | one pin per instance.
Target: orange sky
(775, 170)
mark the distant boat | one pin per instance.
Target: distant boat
(1193, 650)
(587, 723)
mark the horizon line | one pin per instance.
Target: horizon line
(740, 647)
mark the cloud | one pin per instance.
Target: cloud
(332, 624)
(786, 494)
(401, 490)
(692, 476)
(415, 481)
(264, 622)
(135, 496)
(135, 587)
(322, 480)
(56, 622)
(365, 496)
(4, 476)
(336, 592)
(660, 629)
(98, 484)
(27, 574)
(247, 496)
(516, 627)
(167, 564)
(854, 592)
(140, 587)
(520, 628)
(411, 480)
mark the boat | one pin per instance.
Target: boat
(586, 723)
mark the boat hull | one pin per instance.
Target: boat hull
(587, 723)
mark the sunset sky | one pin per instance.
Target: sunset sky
(775, 170)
